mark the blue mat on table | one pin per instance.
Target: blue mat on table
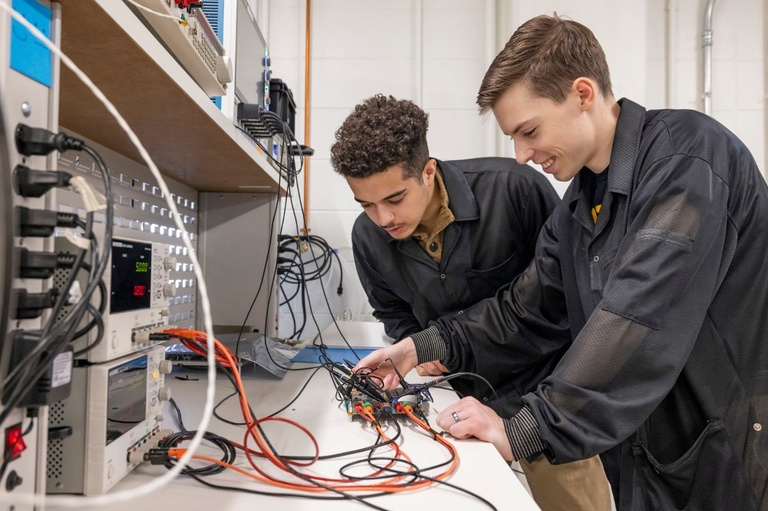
(311, 354)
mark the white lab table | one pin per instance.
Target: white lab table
(481, 469)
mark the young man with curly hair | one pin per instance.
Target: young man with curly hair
(437, 237)
(649, 287)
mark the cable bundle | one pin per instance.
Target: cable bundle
(295, 272)
(57, 334)
(384, 474)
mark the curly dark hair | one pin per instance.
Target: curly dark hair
(382, 132)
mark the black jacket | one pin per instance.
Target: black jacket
(658, 315)
(499, 207)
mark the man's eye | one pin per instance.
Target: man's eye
(530, 133)
(396, 201)
(365, 205)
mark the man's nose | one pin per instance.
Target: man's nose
(523, 153)
(385, 216)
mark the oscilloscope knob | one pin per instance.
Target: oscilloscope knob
(169, 263)
(169, 290)
(164, 394)
(165, 366)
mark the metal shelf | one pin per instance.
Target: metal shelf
(186, 135)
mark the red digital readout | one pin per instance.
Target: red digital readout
(139, 290)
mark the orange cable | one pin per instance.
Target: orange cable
(196, 341)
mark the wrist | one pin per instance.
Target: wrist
(523, 434)
(428, 345)
(408, 351)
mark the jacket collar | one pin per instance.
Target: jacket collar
(463, 205)
(461, 200)
(626, 146)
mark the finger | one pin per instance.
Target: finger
(444, 421)
(370, 361)
(363, 363)
(389, 382)
(421, 371)
(447, 418)
(461, 429)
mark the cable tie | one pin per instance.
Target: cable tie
(78, 241)
(434, 433)
(90, 197)
(75, 293)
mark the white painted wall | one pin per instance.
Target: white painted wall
(435, 53)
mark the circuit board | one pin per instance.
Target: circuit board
(378, 408)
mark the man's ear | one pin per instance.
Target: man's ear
(586, 91)
(430, 168)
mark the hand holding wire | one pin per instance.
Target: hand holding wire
(390, 362)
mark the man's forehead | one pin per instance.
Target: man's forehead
(381, 186)
(516, 108)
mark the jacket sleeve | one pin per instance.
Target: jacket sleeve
(634, 345)
(395, 313)
(524, 325)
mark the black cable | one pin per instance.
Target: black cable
(96, 317)
(288, 467)
(229, 452)
(470, 375)
(263, 274)
(415, 474)
(290, 310)
(57, 335)
(176, 411)
(286, 495)
(322, 346)
(98, 321)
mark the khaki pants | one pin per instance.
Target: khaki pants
(579, 485)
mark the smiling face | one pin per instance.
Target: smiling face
(396, 203)
(558, 136)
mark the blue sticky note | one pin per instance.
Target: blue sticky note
(29, 56)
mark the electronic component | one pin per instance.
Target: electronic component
(192, 40)
(252, 59)
(138, 287)
(54, 383)
(29, 88)
(378, 408)
(112, 417)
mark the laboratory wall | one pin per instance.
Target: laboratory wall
(435, 53)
